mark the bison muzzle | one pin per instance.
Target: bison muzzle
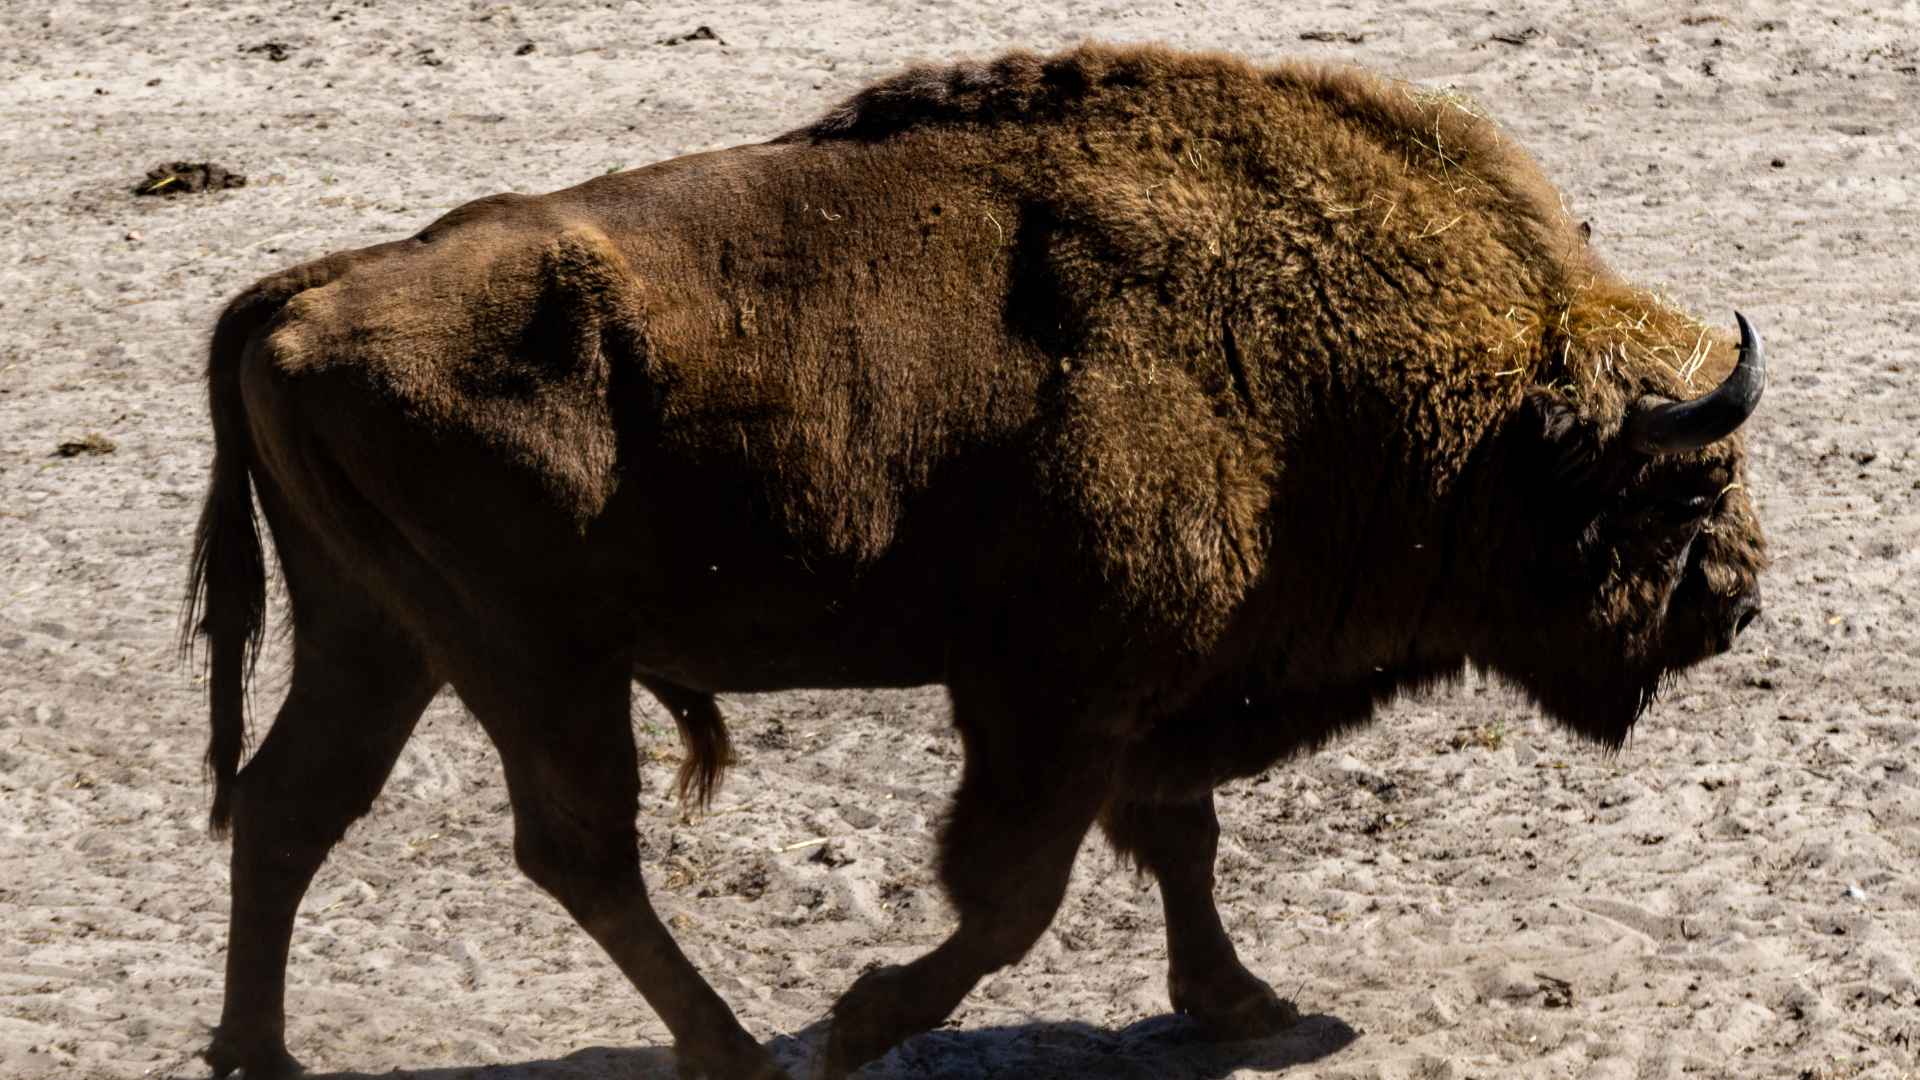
(1173, 413)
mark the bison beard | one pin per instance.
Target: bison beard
(1173, 413)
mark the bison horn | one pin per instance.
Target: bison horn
(1674, 427)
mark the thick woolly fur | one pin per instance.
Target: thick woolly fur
(1338, 375)
(1202, 403)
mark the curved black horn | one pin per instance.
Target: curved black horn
(1673, 427)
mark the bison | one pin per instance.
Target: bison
(1170, 411)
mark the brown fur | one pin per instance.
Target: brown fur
(1172, 411)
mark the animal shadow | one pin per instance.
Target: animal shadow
(1160, 1048)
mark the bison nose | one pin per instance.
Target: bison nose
(1744, 611)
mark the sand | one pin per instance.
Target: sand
(1461, 891)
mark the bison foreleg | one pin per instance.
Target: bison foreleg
(1028, 794)
(1176, 842)
(357, 690)
(565, 738)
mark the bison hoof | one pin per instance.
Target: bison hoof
(256, 1062)
(1234, 1006)
(760, 1068)
(875, 1013)
(725, 1056)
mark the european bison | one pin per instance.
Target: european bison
(1172, 412)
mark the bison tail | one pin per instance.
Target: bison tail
(227, 583)
(703, 737)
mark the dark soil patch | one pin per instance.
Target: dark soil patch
(90, 443)
(275, 51)
(698, 33)
(183, 177)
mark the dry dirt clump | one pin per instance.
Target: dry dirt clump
(188, 177)
(91, 443)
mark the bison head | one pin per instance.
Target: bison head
(1637, 553)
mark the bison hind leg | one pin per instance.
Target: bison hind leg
(1176, 842)
(359, 686)
(563, 728)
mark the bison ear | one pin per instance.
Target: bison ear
(1567, 445)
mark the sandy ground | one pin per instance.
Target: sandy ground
(1459, 892)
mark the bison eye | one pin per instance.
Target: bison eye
(1693, 508)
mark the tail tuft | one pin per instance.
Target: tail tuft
(227, 582)
(703, 735)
